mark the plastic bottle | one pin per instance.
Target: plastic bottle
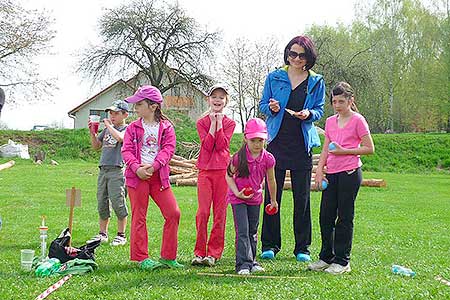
(43, 235)
(48, 267)
(331, 146)
(400, 270)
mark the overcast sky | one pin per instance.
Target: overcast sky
(76, 26)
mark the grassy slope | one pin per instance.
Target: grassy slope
(406, 223)
(399, 153)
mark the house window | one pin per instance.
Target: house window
(98, 112)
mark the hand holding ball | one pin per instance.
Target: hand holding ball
(270, 210)
(331, 146)
(248, 191)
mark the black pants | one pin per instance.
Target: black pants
(271, 229)
(338, 201)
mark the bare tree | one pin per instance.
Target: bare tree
(155, 38)
(24, 34)
(246, 66)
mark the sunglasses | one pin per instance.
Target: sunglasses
(293, 55)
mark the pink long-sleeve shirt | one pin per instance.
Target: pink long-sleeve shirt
(131, 151)
(214, 150)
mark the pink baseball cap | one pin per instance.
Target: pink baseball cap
(255, 128)
(146, 92)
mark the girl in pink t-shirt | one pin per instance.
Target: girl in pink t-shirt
(347, 136)
(245, 176)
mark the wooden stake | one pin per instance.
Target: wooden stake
(250, 276)
(72, 205)
(442, 280)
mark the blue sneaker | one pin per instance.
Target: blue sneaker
(302, 257)
(268, 254)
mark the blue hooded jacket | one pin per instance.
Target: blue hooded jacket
(278, 87)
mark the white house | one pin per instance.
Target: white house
(185, 98)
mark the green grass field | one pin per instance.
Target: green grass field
(407, 223)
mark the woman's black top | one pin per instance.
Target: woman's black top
(288, 147)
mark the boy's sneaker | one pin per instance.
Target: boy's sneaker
(256, 268)
(149, 264)
(209, 261)
(268, 254)
(243, 272)
(197, 261)
(103, 237)
(119, 241)
(319, 265)
(303, 257)
(171, 263)
(337, 269)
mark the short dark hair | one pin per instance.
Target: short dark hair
(308, 45)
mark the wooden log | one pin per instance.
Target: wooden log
(365, 182)
(180, 170)
(192, 161)
(179, 163)
(374, 182)
(177, 157)
(175, 178)
(287, 185)
(187, 182)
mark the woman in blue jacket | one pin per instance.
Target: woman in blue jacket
(293, 98)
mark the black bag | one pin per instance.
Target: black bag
(59, 248)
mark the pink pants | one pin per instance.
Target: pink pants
(168, 206)
(211, 189)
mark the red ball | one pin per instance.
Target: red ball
(248, 191)
(271, 210)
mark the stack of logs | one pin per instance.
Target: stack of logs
(184, 173)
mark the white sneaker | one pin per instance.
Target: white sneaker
(337, 269)
(257, 269)
(209, 261)
(119, 241)
(244, 272)
(103, 237)
(197, 261)
(319, 265)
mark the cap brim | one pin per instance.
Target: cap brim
(113, 108)
(134, 99)
(261, 135)
(216, 88)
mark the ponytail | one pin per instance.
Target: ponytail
(158, 112)
(242, 168)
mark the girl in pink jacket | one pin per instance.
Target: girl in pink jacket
(215, 131)
(148, 146)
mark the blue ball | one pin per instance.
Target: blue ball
(331, 146)
(324, 185)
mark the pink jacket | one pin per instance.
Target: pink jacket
(131, 151)
(214, 150)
